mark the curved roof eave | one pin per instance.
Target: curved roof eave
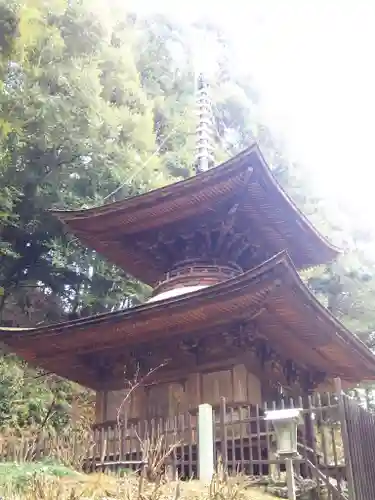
(271, 179)
(23, 339)
(342, 332)
(75, 219)
(204, 293)
(175, 189)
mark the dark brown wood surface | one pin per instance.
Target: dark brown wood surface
(278, 312)
(238, 204)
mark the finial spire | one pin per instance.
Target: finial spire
(204, 150)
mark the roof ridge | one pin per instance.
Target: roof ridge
(203, 176)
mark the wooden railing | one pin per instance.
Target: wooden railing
(192, 273)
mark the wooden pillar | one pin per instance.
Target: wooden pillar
(101, 407)
(307, 391)
(309, 425)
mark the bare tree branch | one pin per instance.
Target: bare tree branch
(134, 384)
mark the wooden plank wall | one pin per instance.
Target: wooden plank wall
(167, 399)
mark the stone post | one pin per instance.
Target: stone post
(205, 443)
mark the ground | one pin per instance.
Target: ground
(47, 481)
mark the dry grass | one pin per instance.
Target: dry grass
(69, 449)
(101, 486)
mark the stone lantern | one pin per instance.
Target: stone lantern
(285, 423)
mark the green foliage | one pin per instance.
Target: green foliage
(82, 125)
(34, 401)
(78, 124)
(17, 477)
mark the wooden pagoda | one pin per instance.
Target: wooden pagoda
(229, 315)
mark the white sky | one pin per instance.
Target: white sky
(314, 67)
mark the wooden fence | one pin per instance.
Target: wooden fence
(359, 441)
(247, 443)
(336, 443)
(70, 449)
(243, 440)
(172, 440)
